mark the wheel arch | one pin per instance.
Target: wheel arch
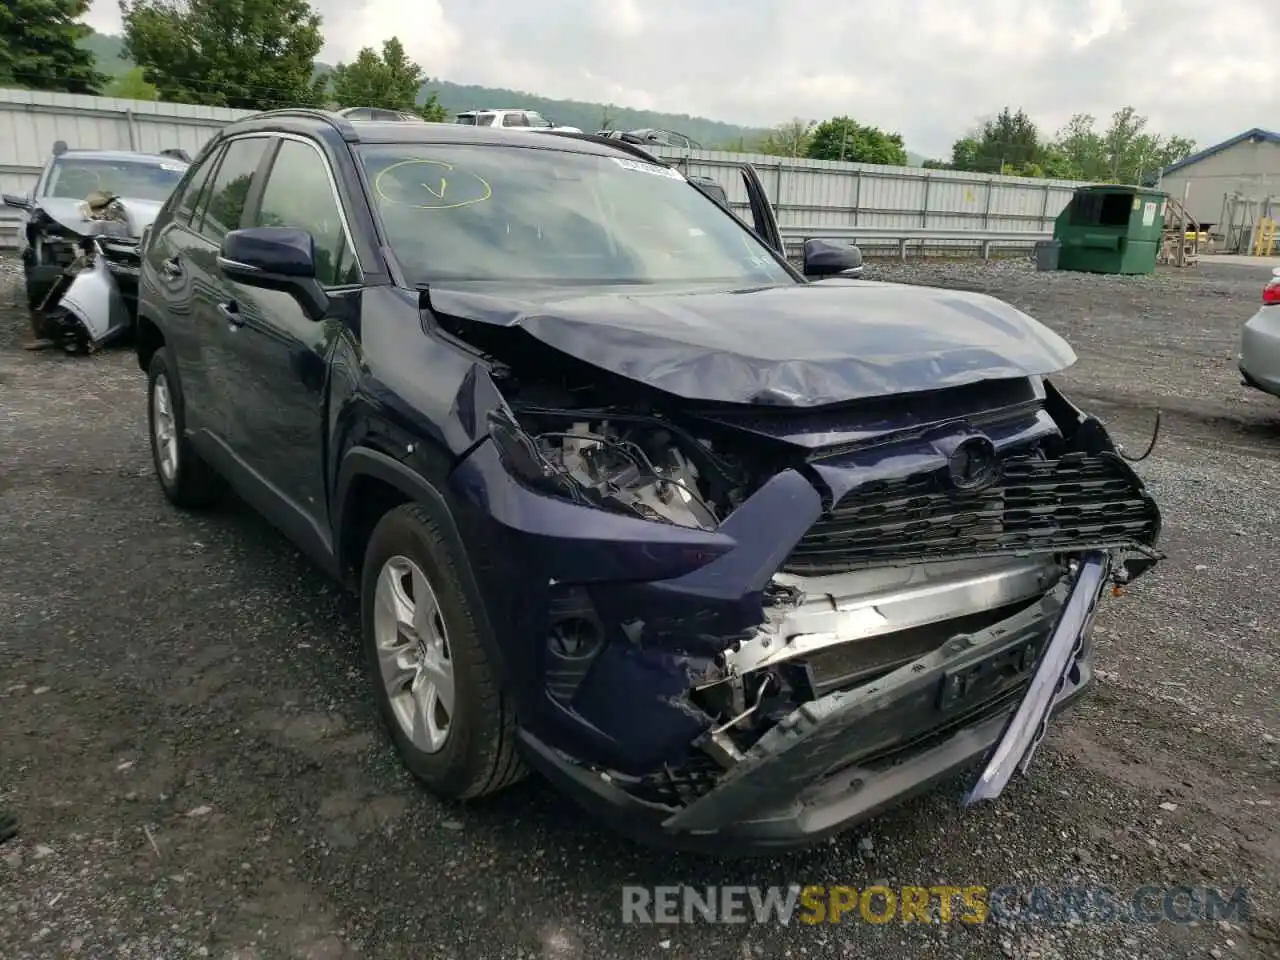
(148, 338)
(370, 483)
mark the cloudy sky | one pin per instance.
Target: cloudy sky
(926, 68)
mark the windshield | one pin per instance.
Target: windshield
(509, 213)
(77, 177)
(536, 119)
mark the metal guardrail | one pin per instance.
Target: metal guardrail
(903, 236)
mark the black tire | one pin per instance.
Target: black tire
(479, 754)
(34, 294)
(34, 297)
(193, 483)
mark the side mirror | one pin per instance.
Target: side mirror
(22, 203)
(826, 258)
(275, 258)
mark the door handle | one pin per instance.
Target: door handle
(231, 313)
(171, 268)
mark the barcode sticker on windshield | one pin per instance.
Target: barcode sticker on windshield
(650, 168)
(172, 167)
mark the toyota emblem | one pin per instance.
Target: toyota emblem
(974, 465)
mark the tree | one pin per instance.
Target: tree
(244, 54)
(1133, 155)
(1055, 164)
(1125, 153)
(790, 139)
(40, 46)
(432, 109)
(1007, 143)
(391, 81)
(132, 86)
(1082, 148)
(842, 138)
(964, 153)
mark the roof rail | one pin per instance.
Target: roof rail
(338, 122)
(626, 146)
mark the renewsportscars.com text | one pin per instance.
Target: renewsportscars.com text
(939, 903)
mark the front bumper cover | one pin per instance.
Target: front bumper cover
(86, 302)
(844, 757)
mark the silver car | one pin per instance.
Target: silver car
(81, 230)
(1259, 359)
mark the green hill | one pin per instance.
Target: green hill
(591, 116)
(455, 97)
(585, 115)
(106, 48)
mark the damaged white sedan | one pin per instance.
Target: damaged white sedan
(80, 238)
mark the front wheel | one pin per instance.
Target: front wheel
(451, 724)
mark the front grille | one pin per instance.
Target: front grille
(58, 252)
(1039, 506)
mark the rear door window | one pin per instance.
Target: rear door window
(189, 199)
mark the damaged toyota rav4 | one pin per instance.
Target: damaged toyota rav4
(735, 554)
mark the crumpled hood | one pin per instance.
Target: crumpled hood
(803, 345)
(66, 211)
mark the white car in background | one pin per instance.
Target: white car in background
(511, 118)
(1259, 359)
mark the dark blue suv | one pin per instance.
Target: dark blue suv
(734, 557)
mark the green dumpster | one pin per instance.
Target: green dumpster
(1111, 229)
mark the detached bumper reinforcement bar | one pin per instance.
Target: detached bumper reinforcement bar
(1028, 725)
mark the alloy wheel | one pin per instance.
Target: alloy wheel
(414, 659)
(164, 426)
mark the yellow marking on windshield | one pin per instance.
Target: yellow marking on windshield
(401, 186)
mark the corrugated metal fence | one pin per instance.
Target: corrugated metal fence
(805, 192)
(822, 193)
(31, 122)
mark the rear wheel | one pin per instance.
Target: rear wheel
(185, 478)
(41, 337)
(451, 724)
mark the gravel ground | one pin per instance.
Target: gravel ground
(199, 772)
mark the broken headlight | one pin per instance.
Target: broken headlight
(638, 470)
